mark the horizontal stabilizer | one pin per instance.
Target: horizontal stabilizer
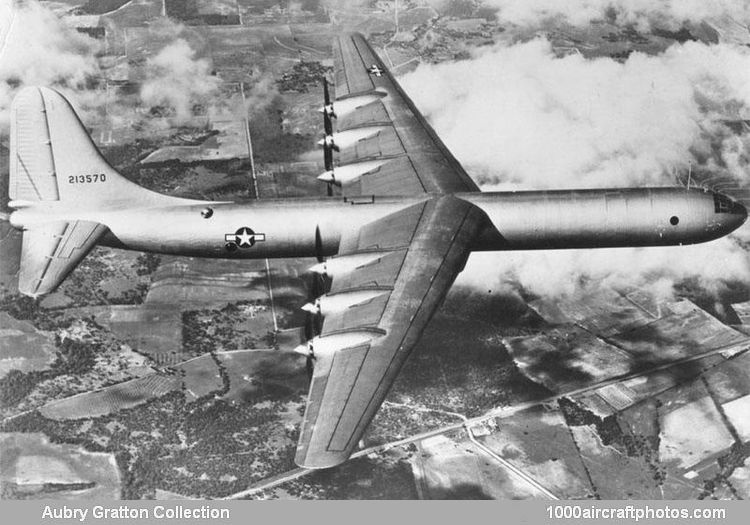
(50, 251)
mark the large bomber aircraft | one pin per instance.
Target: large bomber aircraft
(391, 244)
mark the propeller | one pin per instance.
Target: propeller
(328, 160)
(318, 286)
(328, 107)
(328, 145)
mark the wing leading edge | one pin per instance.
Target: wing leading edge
(405, 264)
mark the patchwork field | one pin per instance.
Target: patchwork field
(33, 468)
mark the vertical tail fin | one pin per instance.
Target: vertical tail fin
(53, 158)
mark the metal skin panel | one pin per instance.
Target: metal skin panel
(368, 115)
(601, 218)
(344, 367)
(437, 252)
(350, 76)
(387, 233)
(381, 273)
(362, 315)
(520, 220)
(390, 176)
(50, 252)
(433, 165)
(32, 168)
(385, 143)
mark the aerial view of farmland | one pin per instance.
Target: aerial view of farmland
(146, 376)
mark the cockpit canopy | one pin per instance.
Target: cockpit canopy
(723, 204)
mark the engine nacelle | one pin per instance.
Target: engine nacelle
(337, 266)
(351, 172)
(344, 106)
(333, 303)
(346, 139)
(327, 345)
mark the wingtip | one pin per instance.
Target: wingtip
(320, 461)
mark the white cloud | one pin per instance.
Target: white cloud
(178, 80)
(38, 49)
(643, 13)
(520, 117)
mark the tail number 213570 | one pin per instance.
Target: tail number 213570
(84, 179)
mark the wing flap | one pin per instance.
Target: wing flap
(381, 273)
(439, 243)
(398, 172)
(391, 232)
(366, 315)
(50, 251)
(371, 114)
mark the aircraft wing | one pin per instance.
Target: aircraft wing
(396, 272)
(387, 147)
(50, 251)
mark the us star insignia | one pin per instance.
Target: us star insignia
(243, 238)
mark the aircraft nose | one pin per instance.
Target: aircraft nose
(739, 214)
(735, 214)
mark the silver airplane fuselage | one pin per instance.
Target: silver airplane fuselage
(523, 220)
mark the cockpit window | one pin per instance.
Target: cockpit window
(722, 204)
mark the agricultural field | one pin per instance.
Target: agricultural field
(228, 140)
(111, 399)
(257, 374)
(31, 468)
(22, 347)
(201, 377)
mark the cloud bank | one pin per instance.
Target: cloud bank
(642, 13)
(520, 117)
(38, 49)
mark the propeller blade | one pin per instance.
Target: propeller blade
(327, 124)
(328, 157)
(318, 324)
(309, 365)
(326, 94)
(309, 328)
(318, 248)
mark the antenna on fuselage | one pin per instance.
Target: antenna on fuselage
(690, 173)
